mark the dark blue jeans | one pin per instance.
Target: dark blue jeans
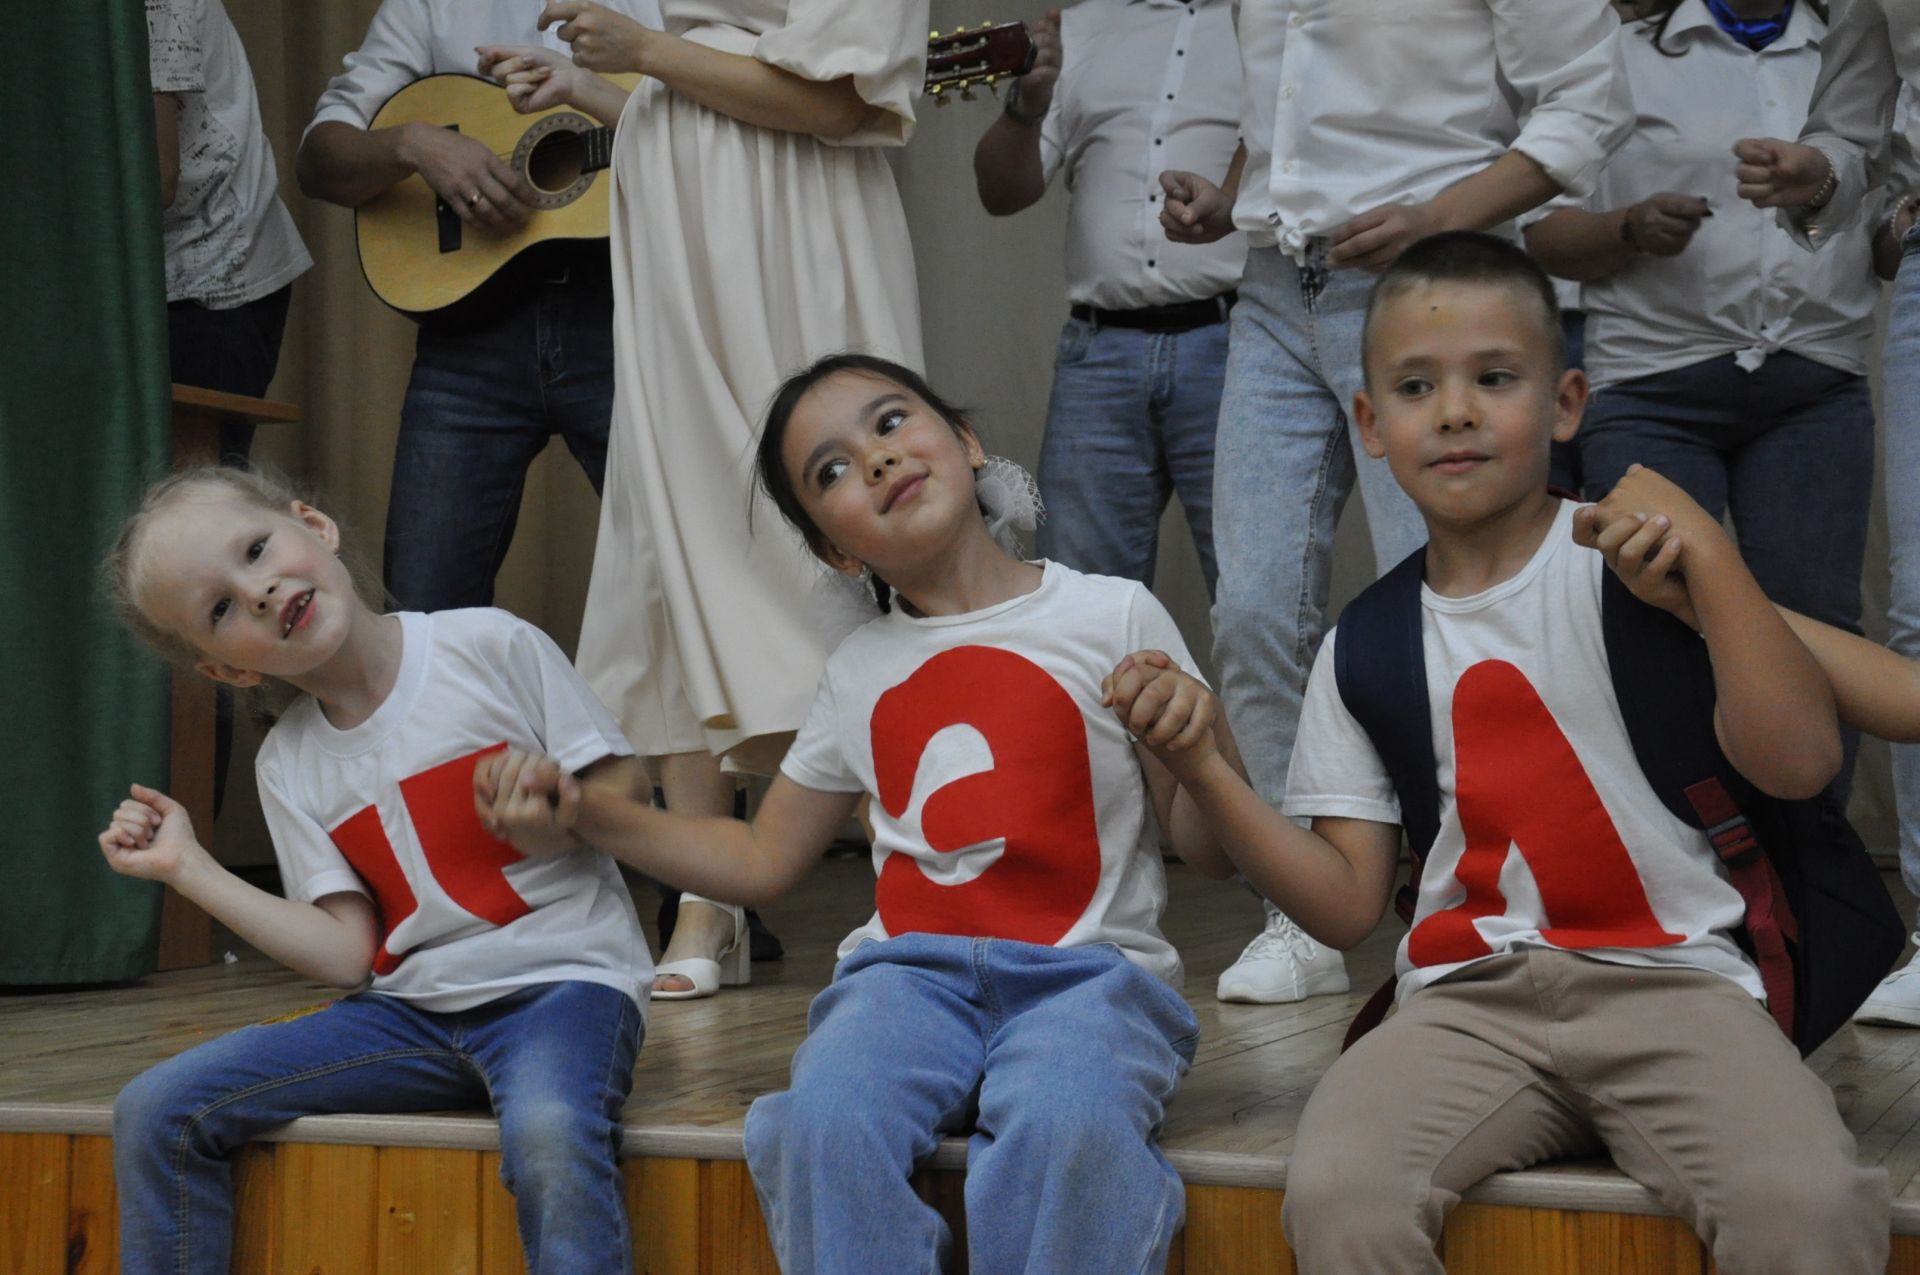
(1787, 448)
(482, 404)
(554, 1061)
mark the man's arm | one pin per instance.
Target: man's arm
(1509, 186)
(347, 165)
(1007, 170)
(166, 136)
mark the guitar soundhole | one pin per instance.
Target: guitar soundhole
(557, 162)
(557, 159)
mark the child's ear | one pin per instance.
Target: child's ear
(244, 679)
(976, 454)
(325, 529)
(836, 557)
(1369, 427)
(1569, 404)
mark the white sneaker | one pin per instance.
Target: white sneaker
(1282, 964)
(1896, 1002)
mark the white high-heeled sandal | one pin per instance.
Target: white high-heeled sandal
(733, 968)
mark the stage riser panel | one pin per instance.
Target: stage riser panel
(310, 1209)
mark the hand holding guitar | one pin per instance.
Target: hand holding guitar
(480, 187)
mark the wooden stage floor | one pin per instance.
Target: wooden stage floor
(64, 1055)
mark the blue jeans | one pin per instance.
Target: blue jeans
(1900, 367)
(1131, 422)
(481, 405)
(1285, 459)
(1063, 1057)
(555, 1061)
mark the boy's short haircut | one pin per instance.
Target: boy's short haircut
(1469, 256)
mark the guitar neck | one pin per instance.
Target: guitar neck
(598, 144)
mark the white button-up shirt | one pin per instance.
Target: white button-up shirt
(408, 39)
(1145, 86)
(1873, 48)
(1740, 286)
(1351, 104)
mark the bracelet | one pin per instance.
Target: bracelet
(1824, 195)
(1013, 112)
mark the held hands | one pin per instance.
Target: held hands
(1195, 210)
(1648, 530)
(536, 78)
(1777, 174)
(528, 801)
(480, 187)
(601, 39)
(1168, 710)
(150, 837)
(1662, 225)
(1376, 237)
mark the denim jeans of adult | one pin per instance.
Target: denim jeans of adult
(481, 404)
(556, 1061)
(1787, 448)
(1285, 459)
(1130, 424)
(1063, 1058)
(1900, 369)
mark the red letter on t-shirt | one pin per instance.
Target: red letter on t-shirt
(1038, 796)
(1518, 784)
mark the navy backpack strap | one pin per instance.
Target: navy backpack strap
(1380, 667)
(1663, 682)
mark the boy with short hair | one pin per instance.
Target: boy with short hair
(1568, 982)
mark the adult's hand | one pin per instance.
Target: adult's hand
(478, 185)
(1778, 174)
(1663, 224)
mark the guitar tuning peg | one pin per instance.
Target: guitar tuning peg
(966, 91)
(933, 35)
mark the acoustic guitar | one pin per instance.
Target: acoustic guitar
(419, 257)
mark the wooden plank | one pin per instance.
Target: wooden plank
(1906, 1256)
(1634, 1244)
(93, 1212)
(1232, 1229)
(256, 1220)
(37, 1169)
(327, 1198)
(733, 1236)
(946, 1191)
(500, 1250)
(1493, 1240)
(663, 1205)
(429, 1211)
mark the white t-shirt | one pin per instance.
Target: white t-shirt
(229, 240)
(1007, 802)
(408, 39)
(1740, 287)
(386, 810)
(1550, 835)
(1351, 104)
(1145, 86)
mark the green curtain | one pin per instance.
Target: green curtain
(84, 421)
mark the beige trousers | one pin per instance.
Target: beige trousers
(1679, 1074)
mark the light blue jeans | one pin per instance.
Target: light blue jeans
(554, 1061)
(1285, 459)
(1130, 423)
(1900, 368)
(1062, 1059)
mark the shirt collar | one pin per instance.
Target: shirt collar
(1803, 27)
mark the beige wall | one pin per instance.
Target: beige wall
(991, 294)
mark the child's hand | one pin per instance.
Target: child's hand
(150, 837)
(1644, 492)
(1643, 552)
(527, 800)
(1168, 710)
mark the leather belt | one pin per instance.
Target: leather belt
(1179, 316)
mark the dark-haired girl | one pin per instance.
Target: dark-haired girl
(1009, 720)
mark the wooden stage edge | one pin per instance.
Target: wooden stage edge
(420, 1194)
